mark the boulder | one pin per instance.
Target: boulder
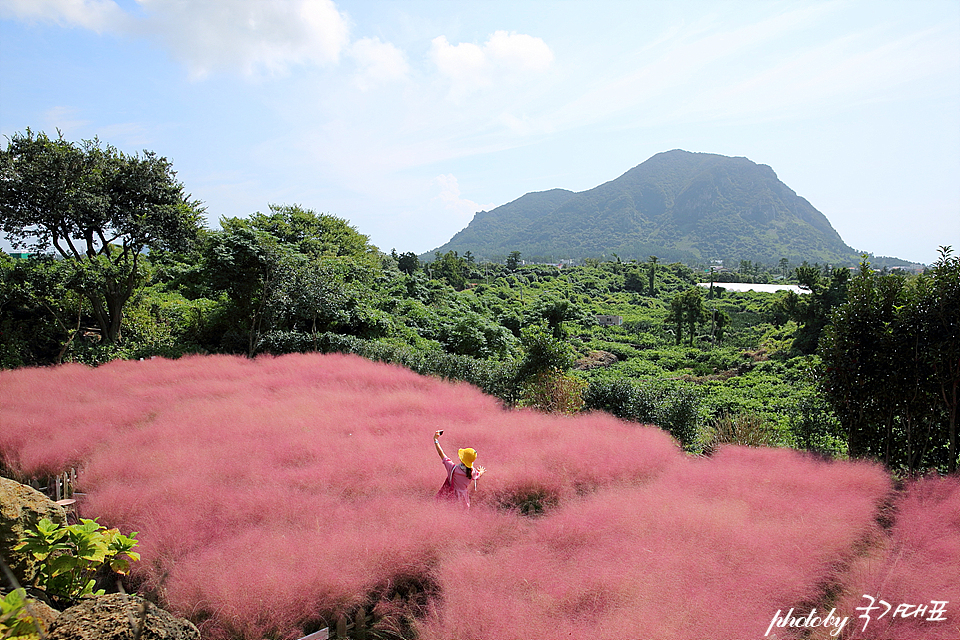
(595, 359)
(21, 508)
(114, 616)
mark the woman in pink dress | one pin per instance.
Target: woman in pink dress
(459, 476)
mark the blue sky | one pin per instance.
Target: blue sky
(408, 117)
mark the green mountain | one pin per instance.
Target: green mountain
(679, 206)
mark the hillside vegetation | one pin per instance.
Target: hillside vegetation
(706, 364)
(681, 206)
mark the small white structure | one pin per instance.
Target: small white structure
(609, 321)
(747, 286)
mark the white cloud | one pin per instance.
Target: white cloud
(207, 35)
(450, 198)
(504, 56)
(518, 51)
(96, 15)
(251, 35)
(64, 119)
(71, 123)
(379, 62)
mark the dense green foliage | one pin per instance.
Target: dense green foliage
(99, 208)
(892, 365)
(70, 557)
(706, 363)
(527, 335)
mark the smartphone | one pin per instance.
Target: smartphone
(441, 431)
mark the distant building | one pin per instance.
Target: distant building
(19, 255)
(609, 321)
(746, 286)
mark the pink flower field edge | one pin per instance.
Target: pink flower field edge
(272, 494)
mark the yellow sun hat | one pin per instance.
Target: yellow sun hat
(467, 456)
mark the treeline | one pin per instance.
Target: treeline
(121, 266)
(891, 365)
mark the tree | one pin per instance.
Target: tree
(471, 334)
(676, 316)
(891, 365)
(554, 310)
(452, 268)
(653, 274)
(311, 233)
(39, 315)
(687, 309)
(408, 262)
(245, 264)
(633, 281)
(97, 207)
(312, 295)
(853, 350)
(812, 311)
(940, 327)
(542, 377)
(693, 310)
(720, 320)
(513, 261)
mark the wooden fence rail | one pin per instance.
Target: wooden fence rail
(61, 489)
(353, 628)
(357, 626)
(58, 487)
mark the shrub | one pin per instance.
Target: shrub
(553, 391)
(675, 409)
(70, 556)
(748, 430)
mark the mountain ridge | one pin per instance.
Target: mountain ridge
(679, 205)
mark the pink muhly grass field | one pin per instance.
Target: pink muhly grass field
(918, 562)
(709, 549)
(272, 494)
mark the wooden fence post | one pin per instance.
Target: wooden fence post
(360, 624)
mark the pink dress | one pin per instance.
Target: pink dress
(460, 481)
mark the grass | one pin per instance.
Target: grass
(272, 494)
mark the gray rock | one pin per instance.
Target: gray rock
(115, 616)
(21, 508)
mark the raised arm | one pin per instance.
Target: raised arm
(436, 442)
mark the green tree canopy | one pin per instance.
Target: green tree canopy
(687, 309)
(812, 311)
(452, 268)
(311, 233)
(96, 206)
(408, 262)
(891, 365)
(554, 310)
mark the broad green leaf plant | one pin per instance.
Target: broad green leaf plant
(69, 556)
(16, 623)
